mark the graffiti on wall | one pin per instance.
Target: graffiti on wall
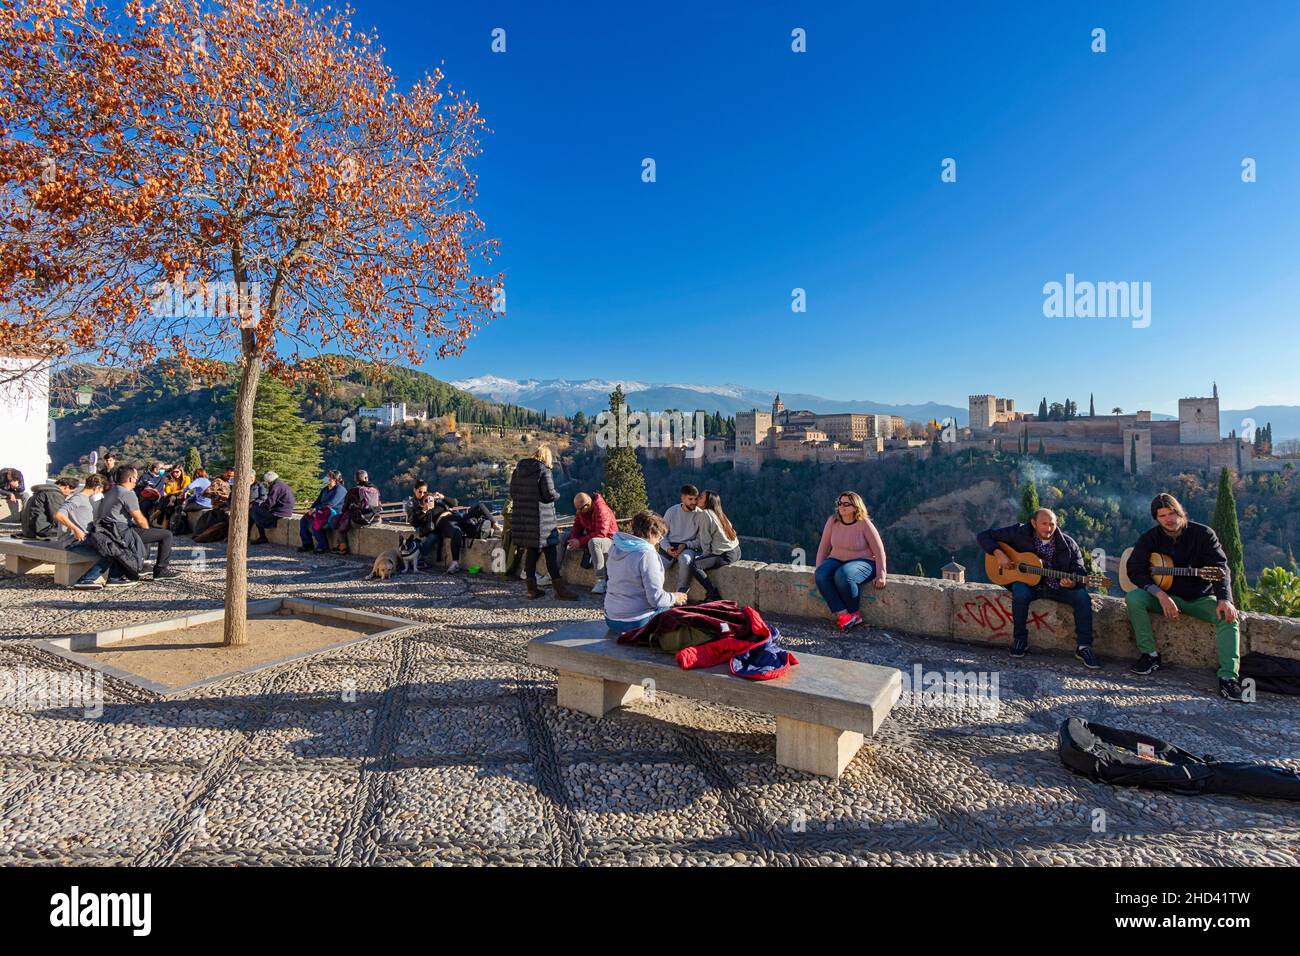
(994, 615)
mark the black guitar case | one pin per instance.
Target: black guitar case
(1129, 759)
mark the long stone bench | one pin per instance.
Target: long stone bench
(823, 706)
(27, 554)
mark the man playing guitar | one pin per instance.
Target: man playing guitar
(1190, 545)
(1058, 551)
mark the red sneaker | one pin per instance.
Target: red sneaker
(842, 619)
(854, 620)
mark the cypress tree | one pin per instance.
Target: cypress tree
(1042, 410)
(1041, 449)
(283, 441)
(1229, 531)
(1133, 454)
(1028, 500)
(1092, 407)
(624, 486)
(193, 461)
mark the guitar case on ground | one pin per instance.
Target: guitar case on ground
(1277, 675)
(1129, 759)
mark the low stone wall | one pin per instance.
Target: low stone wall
(976, 613)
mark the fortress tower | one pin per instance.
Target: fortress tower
(1198, 419)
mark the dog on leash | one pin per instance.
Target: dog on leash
(409, 552)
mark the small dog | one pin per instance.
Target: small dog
(409, 553)
(385, 565)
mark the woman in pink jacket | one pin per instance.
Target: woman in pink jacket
(850, 554)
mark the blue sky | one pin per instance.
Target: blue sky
(821, 170)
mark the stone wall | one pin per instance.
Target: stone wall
(974, 613)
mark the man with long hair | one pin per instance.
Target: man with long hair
(1190, 545)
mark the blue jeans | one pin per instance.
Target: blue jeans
(622, 627)
(1077, 597)
(840, 583)
(307, 534)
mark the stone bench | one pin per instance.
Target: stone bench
(27, 554)
(823, 706)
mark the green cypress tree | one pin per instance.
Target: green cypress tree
(624, 486)
(1092, 407)
(1042, 410)
(1229, 531)
(1133, 454)
(1028, 500)
(1041, 449)
(283, 441)
(193, 461)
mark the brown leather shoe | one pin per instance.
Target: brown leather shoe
(534, 592)
(562, 592)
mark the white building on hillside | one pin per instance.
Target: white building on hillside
(390, 414)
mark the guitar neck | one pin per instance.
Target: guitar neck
(1178, 572)
(1051, 572)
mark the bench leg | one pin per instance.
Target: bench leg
(17, 564)
(814, 748)
(594, 695)
(69, 573)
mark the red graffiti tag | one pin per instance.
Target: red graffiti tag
(995, 616)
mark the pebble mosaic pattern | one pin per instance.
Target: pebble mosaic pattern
(443, 746)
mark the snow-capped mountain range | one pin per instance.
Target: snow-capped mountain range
(564, 397)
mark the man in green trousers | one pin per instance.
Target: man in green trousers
(1209, 598)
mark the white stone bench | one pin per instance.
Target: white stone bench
(823, 706)
(27, 554)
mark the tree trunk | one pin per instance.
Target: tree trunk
(236, 625)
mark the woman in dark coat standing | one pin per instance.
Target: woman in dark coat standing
(532, 520)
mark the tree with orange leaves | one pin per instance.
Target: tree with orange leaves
(229, 180)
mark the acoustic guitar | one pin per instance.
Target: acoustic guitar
(1027, 568)
(1164, 572)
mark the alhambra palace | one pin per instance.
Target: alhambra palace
(782, 434)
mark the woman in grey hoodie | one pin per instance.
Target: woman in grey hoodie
(635, 592)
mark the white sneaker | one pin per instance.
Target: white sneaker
(543, 580)
(453, 567)
(600, 587)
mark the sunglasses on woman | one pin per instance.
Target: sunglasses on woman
(845, 504)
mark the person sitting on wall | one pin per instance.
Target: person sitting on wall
(1042, 536)
(635, 583)
(314, 525)
(415, 503)
(120, 508)
(173, 495)
(719, 543)
(277, 504)
(214, 524)
(361, 508)
(149, 489)
(592, 533)
(194, 501)
(850, 554)
(682, 542)
(1190, 545)
(13, 492)
(438, 522)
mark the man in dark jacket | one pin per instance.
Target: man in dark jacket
(268, 512)
(121, 526)
(1042, 536)
(43, 505)
(1189, 545)
(532, 521)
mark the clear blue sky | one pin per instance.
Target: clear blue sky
(821, 170)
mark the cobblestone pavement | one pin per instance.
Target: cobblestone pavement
(454, 752)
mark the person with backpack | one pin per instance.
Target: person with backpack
(277, 504)
(38, 514)
(314, 525)
(361, 507)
